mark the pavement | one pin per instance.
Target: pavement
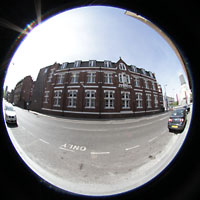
(95, 157)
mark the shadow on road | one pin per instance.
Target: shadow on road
(12, 125)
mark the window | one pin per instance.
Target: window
(124, 78)
(148, 100)
(72, 97)
(77, 63)
(108, 78)
(156, 101)
(151, 74)
(143, 71)
(120, 78)
(146, 85)
(60, 79)
(46, 70)
(122, 66)
(63, 66)
(125, 100)
(139, 100)
(90, 98)
(74, 78)
(107, 63)
(46, 96)
(137, 82)
(109, 99)
(51, 75)
(153, 86)
(133, 68)
(92, 63)
(91, 77)
(57, 97)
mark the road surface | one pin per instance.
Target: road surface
(95, 157)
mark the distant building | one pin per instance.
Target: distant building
(184, 96)
(170, 100)
(23, 92)
(96, 89)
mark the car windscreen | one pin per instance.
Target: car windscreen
(9, 108)
(178, 113)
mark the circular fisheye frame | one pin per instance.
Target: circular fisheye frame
(101, 102)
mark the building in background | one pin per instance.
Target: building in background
(23, 92)
(184, 96)
(96, 89)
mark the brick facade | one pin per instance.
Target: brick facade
(23, 92)
(97, 89)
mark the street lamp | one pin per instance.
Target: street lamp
(166, 102)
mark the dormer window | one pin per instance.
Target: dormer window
(133, 68)
(63, 66)
(151, 74)
(107, 63)
(77, 63)
(92, 63)
(143, 71)
(122, 66)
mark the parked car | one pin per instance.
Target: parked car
(187, 108)
(10, 114)
(177, 120)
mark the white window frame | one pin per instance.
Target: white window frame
(57, 98)
(136, 81)
(72, 98)
(143, 71)
(153, 86)
(108, 78)
(133, 68)
(156, 101)
(139, 99)
(77, 63)
(46, 97)
(124, 78)
(90, 100)
(51, 75)
(146, 85)
(125, 100)
(74, 77)
(151, 74)
(64, 65)
(122, 66)
(120, 78)
(148, 100)
(109, 98)
(61, 78)
(92, 63)
(91, 77)
(107, 63)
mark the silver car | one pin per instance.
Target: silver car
(10, 114)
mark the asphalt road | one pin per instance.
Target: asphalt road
(95, 157)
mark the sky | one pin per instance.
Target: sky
(95, 33)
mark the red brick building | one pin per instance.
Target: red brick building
(98, 89)
(23, 92)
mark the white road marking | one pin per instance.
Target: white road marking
(43, 141)
(81, 129)
(66, 149)
(127, 149)
(99, 153)
(100, 130)
(163, 118)
(152, 139)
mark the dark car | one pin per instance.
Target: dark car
(187, 108)
(177, 120)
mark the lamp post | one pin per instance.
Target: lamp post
(166, 102)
